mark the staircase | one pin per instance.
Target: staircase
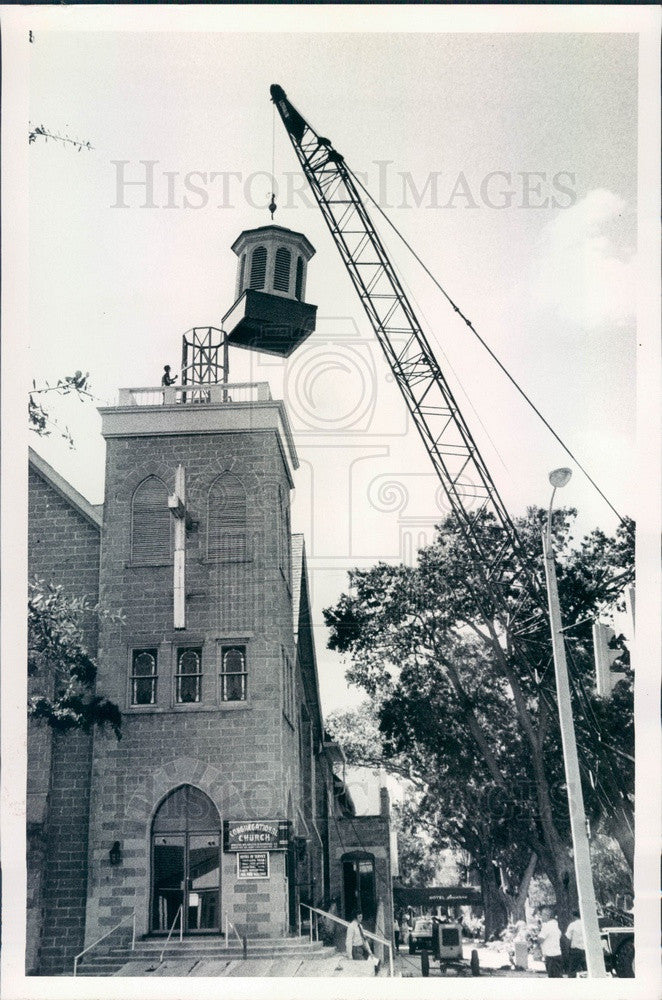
(194, 956)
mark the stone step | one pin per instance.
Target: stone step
(187, 953)
(281, 945)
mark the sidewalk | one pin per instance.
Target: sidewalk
(336, 966)
(493, 962)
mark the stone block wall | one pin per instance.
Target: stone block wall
(369, 834)
(233, 751)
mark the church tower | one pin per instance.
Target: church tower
(193, 814)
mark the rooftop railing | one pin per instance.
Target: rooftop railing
(188, 395)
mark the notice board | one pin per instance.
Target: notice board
(253, 864)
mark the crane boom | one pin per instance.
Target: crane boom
(457, 461)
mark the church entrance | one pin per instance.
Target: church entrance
(186, 863)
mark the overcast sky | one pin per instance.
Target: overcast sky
(508, 161)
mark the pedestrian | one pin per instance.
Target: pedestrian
(167, 378)
(356, 945)
(549, 937)
(577, 954)
(396, 934)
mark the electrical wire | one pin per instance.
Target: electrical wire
(486, 346)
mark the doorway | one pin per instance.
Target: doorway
(359, 889)
(186, 863)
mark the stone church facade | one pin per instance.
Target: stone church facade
(220, 803)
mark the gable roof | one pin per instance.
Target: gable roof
(301, 613)
(91, 512)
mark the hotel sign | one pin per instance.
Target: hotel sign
(265, 834)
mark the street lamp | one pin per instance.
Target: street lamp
(595, 963)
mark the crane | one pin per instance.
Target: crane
(437, 417)
(500, 569)
(450, 445)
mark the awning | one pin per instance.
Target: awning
(446, 895)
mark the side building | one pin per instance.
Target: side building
(219, 802)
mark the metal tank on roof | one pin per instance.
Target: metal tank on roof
(270, 313)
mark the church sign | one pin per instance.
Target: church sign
(266, 834)
(253, 864)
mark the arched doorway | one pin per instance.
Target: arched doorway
(186, 869)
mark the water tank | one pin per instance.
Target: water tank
(270, 312)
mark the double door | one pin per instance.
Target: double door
(186, 872)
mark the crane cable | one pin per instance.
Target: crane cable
(485, 345)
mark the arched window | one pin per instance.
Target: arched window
(226, 520)
(298, 288)
(282, 270)
(233, 673)
(150, 523)
(258, 267)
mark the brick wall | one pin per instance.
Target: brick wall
(63, 548)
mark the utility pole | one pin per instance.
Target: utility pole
(595, 962)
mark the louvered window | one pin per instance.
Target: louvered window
(258, 267)
(242, 271)
(150, 523)
(226, 520)
(189, 676)
(298, 288)
(282, 270)
(143, 677)
(233, 673)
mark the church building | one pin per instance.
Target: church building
(221, 805)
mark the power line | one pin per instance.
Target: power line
(489, 350)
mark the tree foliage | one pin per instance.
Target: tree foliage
(61, 671)
(464, 690)
(40, 420)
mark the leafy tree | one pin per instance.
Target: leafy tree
(41, 132)
(464, 690)
(420, 861)
(39, 418)
(61, 671)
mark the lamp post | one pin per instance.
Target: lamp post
(595, 963)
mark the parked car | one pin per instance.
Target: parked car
(421, 936)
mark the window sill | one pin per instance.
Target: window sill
(148, 565)
(209, 561)
(184, 709)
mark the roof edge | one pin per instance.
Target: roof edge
(69, 493)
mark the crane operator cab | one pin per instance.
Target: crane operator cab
(270, 313)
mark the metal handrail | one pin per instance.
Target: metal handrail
(180, 913)
(243, 941)
(345, 923)
(104, 936)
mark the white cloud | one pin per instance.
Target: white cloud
(582, 274)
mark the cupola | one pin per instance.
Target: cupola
(270, 313)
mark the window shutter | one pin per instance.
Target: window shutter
(298, 288)
(282, 270)
(226, 524)
(150, 523)
(258, 267)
